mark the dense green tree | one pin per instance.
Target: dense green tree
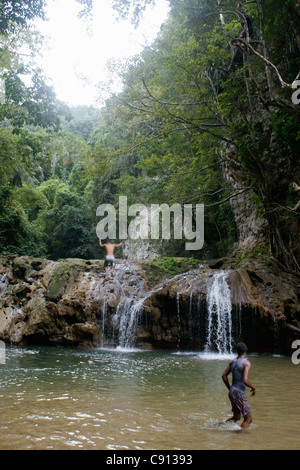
(33, 105)
(17, 234)
(208, 99)
(228, 93)
(19, 12)
(34, 148)
(66, 225)
(165, 138)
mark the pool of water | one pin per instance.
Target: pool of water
(60, 398)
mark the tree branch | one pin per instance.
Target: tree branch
(270, 64)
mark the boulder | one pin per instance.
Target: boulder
(71, 303)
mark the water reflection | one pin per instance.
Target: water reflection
(57, 398)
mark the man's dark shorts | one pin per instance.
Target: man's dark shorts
(239, 401)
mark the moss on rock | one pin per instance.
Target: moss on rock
(158, 269)
(66, 273)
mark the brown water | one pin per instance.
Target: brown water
(59, 398)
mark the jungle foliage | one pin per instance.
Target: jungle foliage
(211, 97)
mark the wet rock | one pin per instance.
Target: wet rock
(71, 303)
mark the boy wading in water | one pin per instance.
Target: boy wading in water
(110, 259)
(240, 368)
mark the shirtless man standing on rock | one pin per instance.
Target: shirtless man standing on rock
(110, 259)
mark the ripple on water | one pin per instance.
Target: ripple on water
(98, 399)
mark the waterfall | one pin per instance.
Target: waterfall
(178, 318)
(219, 314)
(128, 316)
(104, 316)
(124, 295)
(209, 322)
(276, 335)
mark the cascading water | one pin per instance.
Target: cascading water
(276, 335)
(178, 318)
(104, 316)
(219, 314)
(209, 322)
(128, 316)
(126, 291)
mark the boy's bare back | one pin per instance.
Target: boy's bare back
(109, 247)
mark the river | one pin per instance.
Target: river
(120, 399)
